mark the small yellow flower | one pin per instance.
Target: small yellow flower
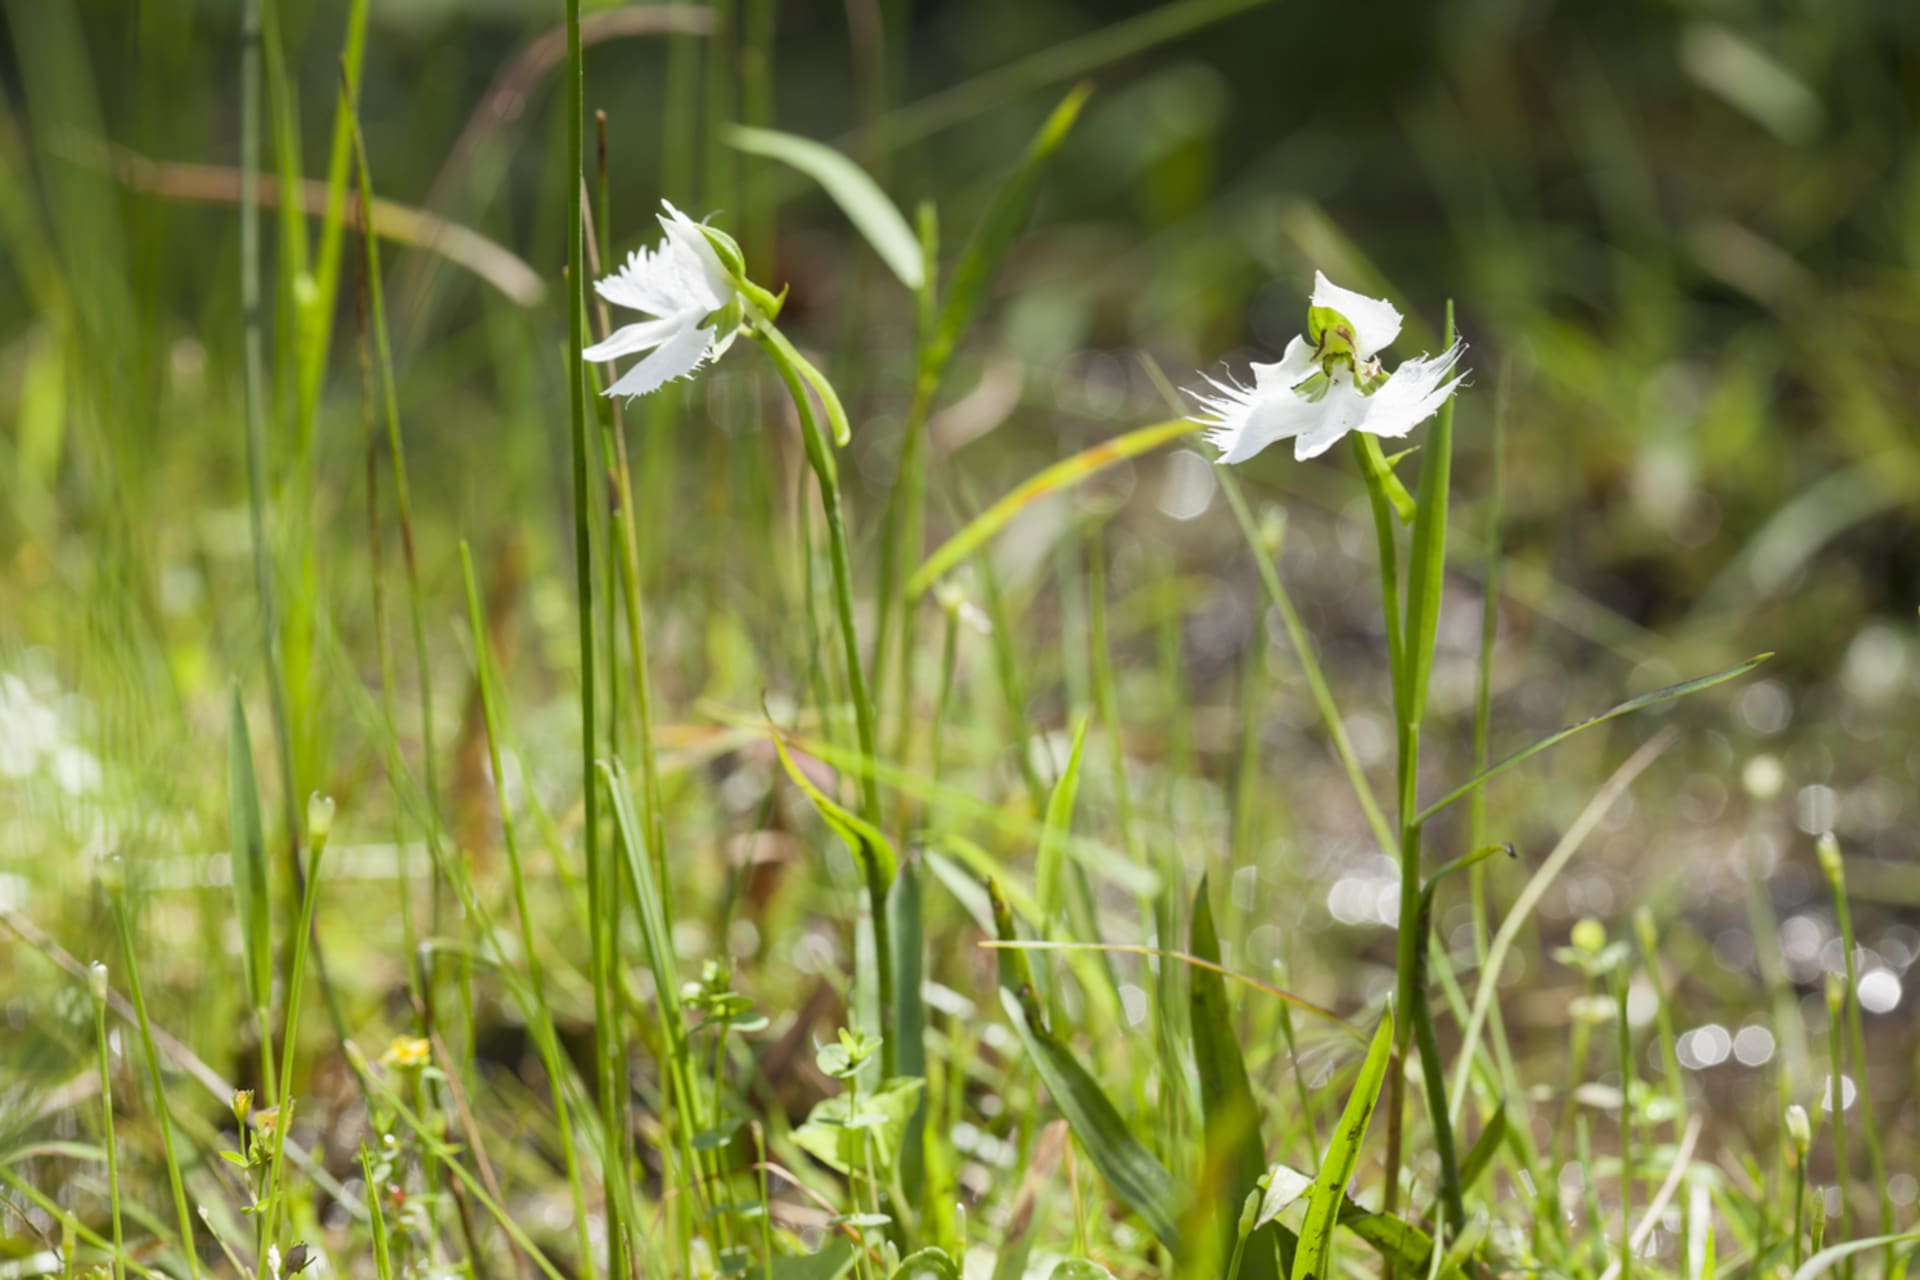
(267, 1119)
(407, 1053)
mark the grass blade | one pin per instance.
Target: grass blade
(1311, 1260)
(249, 860)
(1061, 475)
(1641, 703)
(1060, 804)
(872, 213)
(1234, 1157)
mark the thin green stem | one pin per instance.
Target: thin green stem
(820, 458)
(162, 1114)
(98, 977)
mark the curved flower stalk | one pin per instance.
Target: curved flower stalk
(1329, 382)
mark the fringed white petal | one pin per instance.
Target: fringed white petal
(1241, 421)
(631, 339)
(1414, 393)
(677, 357)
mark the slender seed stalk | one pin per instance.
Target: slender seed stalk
(1624, 1030)
(1836, 1108)
(1834, 870)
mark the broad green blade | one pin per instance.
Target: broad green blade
(1311, 1260)
(873, 215)
(1234, 1158)
(1140, 1181)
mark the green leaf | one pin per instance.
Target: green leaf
(1485, 1148)
(1310, 1261)
(980, 259)
(786, 353)
(1234, 1157)
(872, 851)
(662, 960)
(1060, 803)
(927, 1264)
(1825, 1259)
(248, 858)
(1406, 1247)
(843, 1138)
(906, 937)
(867, 207)
(1140, 1181)
(834, 1260)
(1645, 700)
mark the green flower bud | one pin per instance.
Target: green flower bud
(1590, 936)
(1799, 1131)
(319, 818)
(97, 981)
(1828, 850)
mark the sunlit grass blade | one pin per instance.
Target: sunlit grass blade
(1061, 475)
(1313, 1258)
(1640, 703)
(867, 207)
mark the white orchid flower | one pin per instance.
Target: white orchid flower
(1329, 382)
(680, 285)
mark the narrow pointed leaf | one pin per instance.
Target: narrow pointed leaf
(1059, 821)
(872, 851)
(248, 858)
(867, 207)
(1233, 1151)
(1311, 1259)
(1140, 1181)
